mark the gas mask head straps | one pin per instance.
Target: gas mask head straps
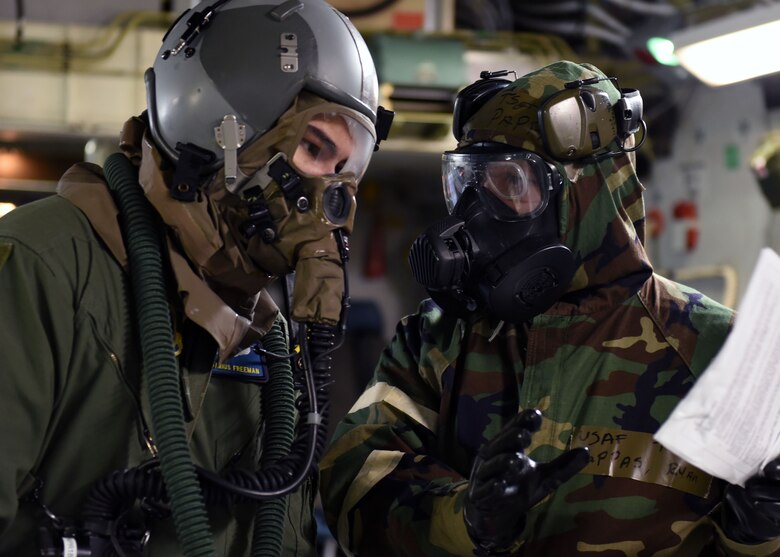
(473, 97)
(576, 123)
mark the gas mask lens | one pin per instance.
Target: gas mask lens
(513, 185)
(334, 143)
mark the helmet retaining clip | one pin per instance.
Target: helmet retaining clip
(186, 177)
(230, 135)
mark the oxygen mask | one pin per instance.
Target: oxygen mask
(287, 211)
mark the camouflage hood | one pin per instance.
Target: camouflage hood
(601, 210)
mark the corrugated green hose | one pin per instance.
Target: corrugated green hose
(278, 400)
(161, 373)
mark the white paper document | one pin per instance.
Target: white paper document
(729, 423)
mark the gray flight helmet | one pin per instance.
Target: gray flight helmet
(251, 58)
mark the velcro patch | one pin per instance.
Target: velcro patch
(245, 366)
(5, 252)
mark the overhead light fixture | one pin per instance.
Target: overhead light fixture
(662, 50)
(739, 46)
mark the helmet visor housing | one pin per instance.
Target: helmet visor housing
(333, 143)
(514, 185)
(252, 60)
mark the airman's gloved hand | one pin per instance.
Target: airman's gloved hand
(752, 514)
(505, 483)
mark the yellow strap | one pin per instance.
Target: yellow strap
(636, 455)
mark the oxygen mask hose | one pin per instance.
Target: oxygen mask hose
(110, 497)
(142, 241)
(278, 406)
(285, 463)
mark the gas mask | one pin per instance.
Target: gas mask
(286, 211)
(499, 249)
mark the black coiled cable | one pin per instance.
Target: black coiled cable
(285, 475)
(318, 342)
(115, 493)
(110, 495)
(322, 342)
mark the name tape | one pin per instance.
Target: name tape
(247, 366)
(636, 455)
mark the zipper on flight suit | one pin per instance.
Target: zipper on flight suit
(146, 432)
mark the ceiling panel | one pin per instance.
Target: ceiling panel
(92, 12)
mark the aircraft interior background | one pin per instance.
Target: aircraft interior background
(71, 72)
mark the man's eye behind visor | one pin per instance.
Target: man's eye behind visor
(333, 143)
(518, 183)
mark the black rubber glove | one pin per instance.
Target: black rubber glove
(751, 514)
(505, 483)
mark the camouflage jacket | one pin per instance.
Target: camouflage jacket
(606, 365)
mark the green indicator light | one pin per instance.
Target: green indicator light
(663, 51)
